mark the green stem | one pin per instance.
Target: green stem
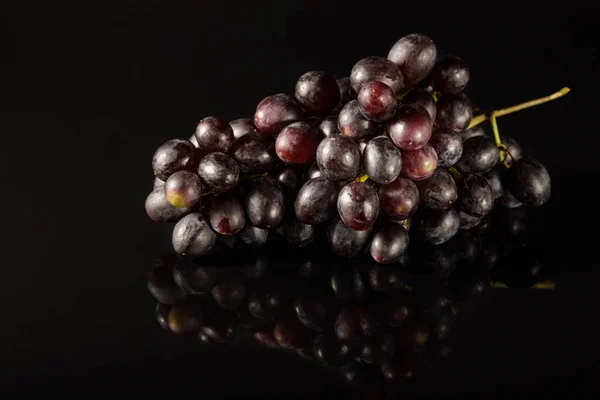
(454, 172)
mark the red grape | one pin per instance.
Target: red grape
(226, 215)
(423, 98)
(318, 92)
(183, 189)
(411, 127)
(399, 199)
(214, 134)
(419, 164)
(274, 112)
(377, 101)
(338, 158)
(297, 143)
(376, 69)
(358, 205)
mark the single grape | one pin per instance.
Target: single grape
(529, 182)
(477, 130)
(226, 214)
(480, 154)
(468, 221)
(298, 234)
(221, 326)
(358, 205)
(183, 189)
(419, 164)
(328, 125)
(379, 350)
(450, 75)
(289, 179)
(318, 92)
(219, 172)
(389, 243)
(411, 127)
(174, 155)
(377, 101)
(184, 317)
(437, 227)
(192, 236)
(229, 292)
(314, 171)
(297, 143)
(515, 151)
(160, 210)
(274, 112)
(193, 278)
(399, 199)
(316, 201)
(254, 154)
(422, 98)
(447, 145)
(242, 126)
(493, 178)
(454, 112)
(474, 195)
(253, 237)
(415, 54)
(214, 135)
(291, 334)
(265, 203)
(382, 160)
(351, 122)
(338, 158)
(438, 192)
(354, 325)
(376, 69)
(344, 241)
(330, 352)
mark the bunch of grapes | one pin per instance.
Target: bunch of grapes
(364, 159)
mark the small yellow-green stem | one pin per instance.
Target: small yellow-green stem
(362, 178)
(454, 172)
(496, 133)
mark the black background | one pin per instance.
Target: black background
(90, 89)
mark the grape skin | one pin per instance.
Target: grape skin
(254, 154)
(264, 203)
(252, 236)
(219, 172)
(214, 135)
(226, 215)
(274, 112)
(328, 125)
(358, 205)
(298, 234)
(439, 191)
(377, 101)
(338, 158)
(474, 195)
(419, 164)
(242, 126)
(382, 160)
(399, 199)
(316, 201)
(480, 154)
(454, 112)
(318, 92)
(477, 130)
(493, 178)
(346, 93)
(447, 145)
(192, 236)
(514, 149)
(529, 182)
(160, 210)
(376, 69)
(411, 127)
(437, 227)
(297, 143)
(423, 98)
(351, 122)
(415, 54)
(389, 243)
(450, 75)
(183, 189)
(174, 155)
(345, 242)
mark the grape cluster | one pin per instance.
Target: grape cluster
(371, 156)
(372, 322)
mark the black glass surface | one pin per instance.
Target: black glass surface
(90, 90)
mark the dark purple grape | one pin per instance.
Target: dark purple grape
(346, 92)
(376, 69)
(219, 172)
(264, 203)
(354, 326)
(450, 75)
(529, 182)
(157, 183)
(411, 127)
(468, 221)
(454, 112)
(253, 237)
(330, 352)
(314, 171)
(379, 350)
(161, 284)
(377, 101)
(160, 210)
(194, 278)
(291, 334)
(515, 151)
(242, 126)
(415, 54)
(254, 154)
(328, 125)
(480, 154)
(193, 141)
(401, 369)
(437, 227)
(183, 189)
(422, 98)
(438, 192)
(298, 234)
(192, 236)
(318, 92)
(399, 199)
(493, 178)
(297, 143)
(184, 317)
(352, 124)
(508, 200)
(229, 293)
(274, 112)
(382, 160)
(474, 195)
(477, 130)
(174, 155)
(447, 145)
(226, 214)
(312, 310)
(389, 243)
(419, 164)
(214, 135)
(338, 158)
(316, 201)
(358, 205)
(221, 326)
(344, 241)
